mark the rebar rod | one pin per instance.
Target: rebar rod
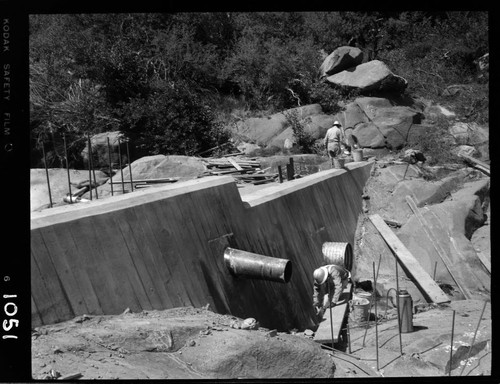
(397, 308)
(474, 338)
(93, 170)
(129, 169)
(371, 302)
(90, 167)
(434, 274)
(348, 336)
(47, 173)
(120, 164)
(451, 344)
(376, 326)
(330, 308)
(110, 165)
(67, 168)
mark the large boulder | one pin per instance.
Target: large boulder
(340, 59)
(261, 130)
(371, 76)
(452, 223)
(315, 125)
(468, 133)
(100, 151)
(377, 123)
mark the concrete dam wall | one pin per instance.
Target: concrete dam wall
(164, 247)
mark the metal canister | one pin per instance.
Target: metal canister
(405, 307)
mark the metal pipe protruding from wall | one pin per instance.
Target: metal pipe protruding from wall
(255, 266)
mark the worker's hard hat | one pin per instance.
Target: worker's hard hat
(320, 276)
(336, 123)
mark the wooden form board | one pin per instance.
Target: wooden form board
(420, 277)
(323, 334)
(437, 246)
(234, 163)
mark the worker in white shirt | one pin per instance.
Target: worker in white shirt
(329, 283)
(333, 140)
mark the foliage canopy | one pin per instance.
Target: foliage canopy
(165, 79)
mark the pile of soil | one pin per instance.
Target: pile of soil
(180, 343)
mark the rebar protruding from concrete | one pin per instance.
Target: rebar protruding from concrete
(374, 297)
(474, 338)
(399, 316)
(67, 168)
(130, 169)
(348, 336)
(47, 173)
(110, 165)
(376, 318)
(451, 345)
(434, 274)
(397, 307)
(120, 163)
(93, 170)
(90, 165)
(330, 308)
(255, 266)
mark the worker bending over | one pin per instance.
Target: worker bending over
(329, 282)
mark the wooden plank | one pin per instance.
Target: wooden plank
(234, 163)
(476, 161)
(419, 276)
(437, 246)
(149, 181)
(323, 334)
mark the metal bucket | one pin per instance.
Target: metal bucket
(360, 310)
(338, 162)
(357, 155)
(255, 266)
(338, 253)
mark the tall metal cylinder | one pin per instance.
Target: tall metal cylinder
(405, 307)
(255, 266)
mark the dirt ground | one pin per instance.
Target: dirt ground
(196, 343)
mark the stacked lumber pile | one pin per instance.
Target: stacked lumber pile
(244, 170)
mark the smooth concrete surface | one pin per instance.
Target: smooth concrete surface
(164, 247)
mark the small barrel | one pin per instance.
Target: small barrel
(338, 162)
(255, 266)
(338, 253)
(357, 154)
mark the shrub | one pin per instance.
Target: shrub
(171, 120)
(304, 140)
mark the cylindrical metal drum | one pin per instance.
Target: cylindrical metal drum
(405, 305)
(357, 154)
(255, 266)
(338, 253)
